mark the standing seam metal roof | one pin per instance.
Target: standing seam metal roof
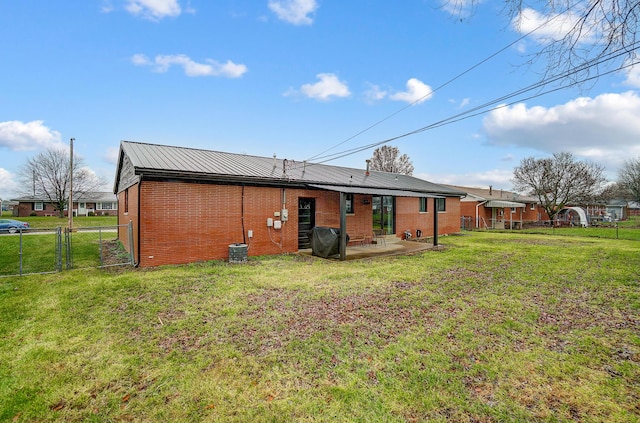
(183, 161)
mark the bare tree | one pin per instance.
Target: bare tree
(629, 178)
(580, 38)
(559, 181)
(387, 159)
(46, 175)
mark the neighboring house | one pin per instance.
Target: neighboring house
(618, 210)
(7, 205)
(634, 208)
(189, 205)
(488, 208)
(94, 203)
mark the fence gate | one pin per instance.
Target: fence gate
(31, 252)
(97, 247)
(46, 250)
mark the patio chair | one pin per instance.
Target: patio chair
(358, 239)
(378, 237)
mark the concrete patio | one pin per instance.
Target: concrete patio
(390, 247)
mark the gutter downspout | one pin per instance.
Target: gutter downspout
(477, 218)
(139, 217)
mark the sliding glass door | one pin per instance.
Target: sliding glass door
(383, 215)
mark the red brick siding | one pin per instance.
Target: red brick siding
(27, 209)
(468, 209)
(184, 222)
(408, 217)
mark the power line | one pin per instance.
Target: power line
(484, 108)
(430, 93)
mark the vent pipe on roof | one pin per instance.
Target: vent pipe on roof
(490, 187)
(368, 163)
(274, 160)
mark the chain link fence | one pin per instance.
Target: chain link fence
(36, 251)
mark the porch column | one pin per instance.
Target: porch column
(435, 222)
(343, 226)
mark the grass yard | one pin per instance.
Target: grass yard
(495, 328)
(38, 253)
(626, 229)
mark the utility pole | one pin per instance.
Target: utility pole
(70, 208)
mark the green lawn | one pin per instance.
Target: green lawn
(495, 327)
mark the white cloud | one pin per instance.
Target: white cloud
(20, 136)
(550, 27)
(374, 93)
(8, 184)
(111, 155)
(604, 129)
(417, 92)
(162, 63)
(633, 76)
(459, 8)
(294, 11)
(107, 7)
(154, 9)
(327, 87)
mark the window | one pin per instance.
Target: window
(349, 205)
(126, 200)
(513, 209)
(440, 204)
(38, 206)
(533, 206)
(106, 206)
(423, 204)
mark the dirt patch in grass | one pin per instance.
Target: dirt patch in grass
(280, 316)
(113, 253)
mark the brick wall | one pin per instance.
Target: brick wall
(184, 222)
(409, 218)
(27, 209)
(468, 208)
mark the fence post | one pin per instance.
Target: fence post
(59, 249)
(68, 249)
(20, 252)
(100, 244)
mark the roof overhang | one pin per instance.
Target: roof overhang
(373, 191)
(500, 204)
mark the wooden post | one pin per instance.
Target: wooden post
(343, 226)
(435, 222)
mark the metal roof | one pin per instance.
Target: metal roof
(486, 194)
(502, 204)
(374, 191)
(182, 162)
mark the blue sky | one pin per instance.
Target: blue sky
(294, 78)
